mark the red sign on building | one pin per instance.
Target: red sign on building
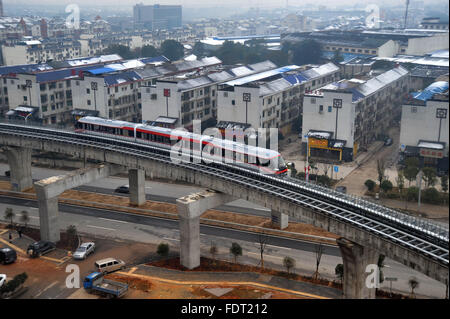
(167, 92)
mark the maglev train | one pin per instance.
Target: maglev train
(212, 149)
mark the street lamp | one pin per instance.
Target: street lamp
(246, 97)
(441, 114)
(167, 95)
(337, 104)
(94, 87)
(29, 84)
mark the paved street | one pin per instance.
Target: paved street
(122, 226)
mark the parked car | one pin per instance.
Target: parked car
(125, 189)
(7, 255)
(95, 282)
(40, 248)
(388, 142)
(2, 279)
(341, 189)
(84, 250)
(108, 265)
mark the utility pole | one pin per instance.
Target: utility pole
(406, 14)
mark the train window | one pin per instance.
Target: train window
(138, 134)
(262, 162)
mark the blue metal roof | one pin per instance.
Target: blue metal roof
(60, 74)
(101, 71)
(160, 58)
(115, 79)
(294, 78)
(428, 92)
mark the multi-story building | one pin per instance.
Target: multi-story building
(192, 96)
(427, 110)
(157, 16)
(35, 51)
(345, 116)
(48, 88)
(272, 99)
(434, 23)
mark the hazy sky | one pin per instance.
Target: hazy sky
(208, 3)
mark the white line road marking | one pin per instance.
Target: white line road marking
(113, 220)
(105, 228)
(171, 238)
(278, 247)
(35, 217)
(45, 289)
(265, 256)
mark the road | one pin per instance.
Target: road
(152, 230)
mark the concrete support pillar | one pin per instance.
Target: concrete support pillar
(356, 258)
(19, 160)
(48, 218)
(281, 221)
(189, 210)
(136, 179)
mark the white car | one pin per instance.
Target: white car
(84, 250)
(2, 279)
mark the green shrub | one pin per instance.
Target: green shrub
(324, 180)
(412, 193)
(14, 283)
(386, 185)
(370, 184)
(393, 195)
(301, 175)
(431, 195)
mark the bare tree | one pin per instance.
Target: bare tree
(319, 252)
(289, 263)
(380, 170)
(413, 284)
(326, 167)
(263, 240)
(213, 251)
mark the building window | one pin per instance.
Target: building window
(330, 108)
(414, 109)
(42, 87)
(320, 108)
(88, 91)
(313, 100)
(153, 96)
(44, 108)
(233, 102)
(88, 102)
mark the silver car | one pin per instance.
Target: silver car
(84, 250)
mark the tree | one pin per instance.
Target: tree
(413, 284)
(380, 170)
(412, 193)
(319, 252)
(431, 195)
(121, 50)
(149, 51)
(386, 185)
(24, 218)
(444, 183)
(213, 251)
(199, 49)
(401, 184)
(289, 263)
(9, 215)
(263, 240)
(72, 235)
(163, 250)
(370, 184)
(306, 52)
(410, 173)
(429, 176)
(236, 250)
(171, 49)
(339, 271)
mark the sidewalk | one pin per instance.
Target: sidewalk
(20, 245)
(305, 289)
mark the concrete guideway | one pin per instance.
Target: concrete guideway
(234, 185)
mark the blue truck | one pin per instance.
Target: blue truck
(96, 283)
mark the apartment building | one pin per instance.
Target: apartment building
(272, 99)
(193, 96)
(427, 110)
(35, 51)
(346, 116)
